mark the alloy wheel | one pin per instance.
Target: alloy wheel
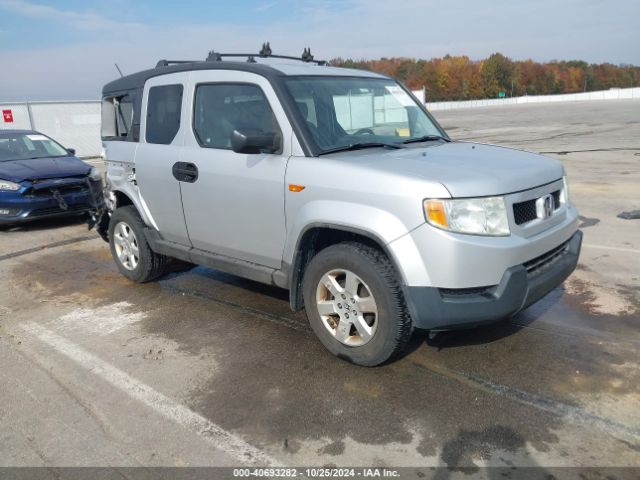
(126, 246)
(347, 307)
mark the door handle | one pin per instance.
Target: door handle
(185, 172)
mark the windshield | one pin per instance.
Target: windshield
(344, 111)
(26, 146)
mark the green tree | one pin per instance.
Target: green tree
(497, 74)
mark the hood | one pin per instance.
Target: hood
(466, 169)
(42, 168)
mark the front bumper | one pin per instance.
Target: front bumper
(28, 206)
(521, 285)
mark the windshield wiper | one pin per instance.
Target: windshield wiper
(360, 145)
(426, 138)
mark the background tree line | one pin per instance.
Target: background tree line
(460, 78)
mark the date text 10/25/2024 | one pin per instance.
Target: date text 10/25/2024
(320, 472)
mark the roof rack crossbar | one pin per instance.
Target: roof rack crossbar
(265, 52)
(166, 63)
(254, 55)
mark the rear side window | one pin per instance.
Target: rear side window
(118, 117)
(219, 109)
(163, 113)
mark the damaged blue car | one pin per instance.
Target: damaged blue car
(39, 178)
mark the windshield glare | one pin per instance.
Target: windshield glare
(20, 146)
(343, 111)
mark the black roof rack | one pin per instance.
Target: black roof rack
(265, 52)
(166, 63)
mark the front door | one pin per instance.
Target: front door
(236, 206)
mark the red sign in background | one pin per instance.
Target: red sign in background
(8, 116)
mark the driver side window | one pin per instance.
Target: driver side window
(219, 109)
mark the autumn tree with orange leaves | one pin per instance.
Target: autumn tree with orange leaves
(460, 78)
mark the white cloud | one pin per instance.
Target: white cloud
(80, 20)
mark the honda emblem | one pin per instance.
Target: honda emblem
(544, 206)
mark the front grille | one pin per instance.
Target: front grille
(64, 190)
(461, 292)
(54, 210)
(535, 265)
(524, 212)
(34, 191)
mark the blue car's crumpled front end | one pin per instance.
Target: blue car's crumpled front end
(48, 188)
(50, 197)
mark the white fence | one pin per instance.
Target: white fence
(613, 94)
(73, 124)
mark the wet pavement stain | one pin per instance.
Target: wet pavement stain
(587, 222)
(285, 388)
(277, 385)
(584, 307)
(470, 445)
(335, 448)
(68, 272)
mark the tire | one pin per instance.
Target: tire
(126, 224)
(386, 333)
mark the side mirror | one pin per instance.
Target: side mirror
(254, 140)
(71, 152)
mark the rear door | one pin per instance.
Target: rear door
(162, 133)
(236, 206)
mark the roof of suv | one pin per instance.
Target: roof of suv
(271, 69)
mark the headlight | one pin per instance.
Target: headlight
(7, 186)
(477, 216)
(94, 174)
(564, 196)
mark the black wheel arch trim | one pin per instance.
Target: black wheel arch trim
(295, 271)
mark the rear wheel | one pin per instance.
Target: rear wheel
(355, 305)
(130, 249)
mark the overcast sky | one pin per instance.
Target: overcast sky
(67, 49)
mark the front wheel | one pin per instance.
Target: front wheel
(130, 249)
(355, 305)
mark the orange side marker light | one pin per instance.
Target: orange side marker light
(436, 213)
(296, 188)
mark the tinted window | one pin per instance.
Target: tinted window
(222, 108)
(163, 113)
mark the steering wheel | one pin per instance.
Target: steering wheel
(368, 131)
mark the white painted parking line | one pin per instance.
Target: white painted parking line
(616, 249)
(214, 434)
